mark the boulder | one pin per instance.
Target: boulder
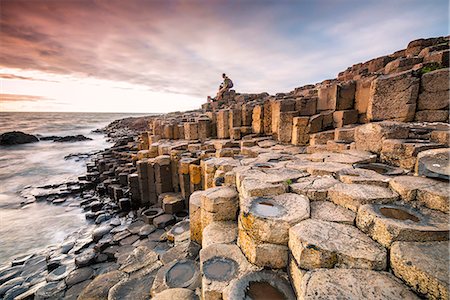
(72, 138)
(17, 137)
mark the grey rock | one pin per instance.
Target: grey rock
(79, 275)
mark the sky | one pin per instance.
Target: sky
(163, 55)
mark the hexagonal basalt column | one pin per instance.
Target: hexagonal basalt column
(328, 211)
(259, 285)
(221, 264)
(352, 284)
(262, 254)
(177, 274)
(219, 204)
(321, 244)
(362, 176)
(195, 216)
(219, 232)
(268, 219)
(423, 266)
(315, 188)
(429, 192)
(387, 223)
(352, 196)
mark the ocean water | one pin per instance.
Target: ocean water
(27, 228)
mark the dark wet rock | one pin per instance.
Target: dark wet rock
(132, 289)
(123, 252)
(34, 266)
(73, 292)
(146, 230)
(9, 273)
(129, 240)
(9, 285)
(164, 220)
(115, 222)
(119, 228)
(95, 206)
(138, 259)
(67, 246)
(178, 274)
(111, 251)
(135, 227)
(161, 248)
(105, 267)
(155, 235)
(52, 290)
(85, 259)
(184, 250)
(21, 260)
(100, 286)
(82, 244)
(121, 235)
(101, 258)
(102, 218)
(99, 232)
(59, 273)
(71, 138)
(16, 291)
(79, 275)
(90, 215)
(16, 137)
(59, 201)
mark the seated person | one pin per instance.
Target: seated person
(225, 86)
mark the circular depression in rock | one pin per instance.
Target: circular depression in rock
(150, 212)
(181, 274)
(265, 207)
(380, 168)
(398, 214)
(263, 290)
(220, 268)
(181, 214)
(263, 165)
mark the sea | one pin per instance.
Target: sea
(27, 228)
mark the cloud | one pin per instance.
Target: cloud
(182, 47)
(19, 98)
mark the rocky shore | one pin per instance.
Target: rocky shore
(337, 190)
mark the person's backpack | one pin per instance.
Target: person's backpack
(230, 83)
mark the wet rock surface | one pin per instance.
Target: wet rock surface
(16, 137)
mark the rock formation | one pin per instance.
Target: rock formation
(336, 190)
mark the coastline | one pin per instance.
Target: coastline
(261, 193)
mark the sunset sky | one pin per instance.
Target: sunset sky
(160, 56)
